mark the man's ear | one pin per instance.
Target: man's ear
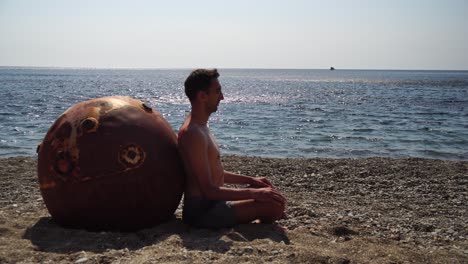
(202, 95)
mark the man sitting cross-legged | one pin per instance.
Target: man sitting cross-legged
(207, 202)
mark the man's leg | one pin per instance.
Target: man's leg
(247, 211)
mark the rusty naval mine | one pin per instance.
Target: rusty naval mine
(110, 163)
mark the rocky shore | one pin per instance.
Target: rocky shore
(375, 210)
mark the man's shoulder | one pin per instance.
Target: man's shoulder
(191, 133)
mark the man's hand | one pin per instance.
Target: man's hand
(260, 182)
(269, 194)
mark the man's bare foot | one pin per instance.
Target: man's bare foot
(275, 225)
(280, 227)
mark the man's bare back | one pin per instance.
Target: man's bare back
(207, 202)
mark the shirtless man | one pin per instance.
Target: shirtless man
(207, 202)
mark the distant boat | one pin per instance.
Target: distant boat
(332, 69)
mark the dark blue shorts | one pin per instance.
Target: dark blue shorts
(201, 212)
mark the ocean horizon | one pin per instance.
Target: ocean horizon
(222, 68)
(287, 113)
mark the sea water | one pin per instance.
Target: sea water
(269, 113)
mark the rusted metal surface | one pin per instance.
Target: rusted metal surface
(110, 163)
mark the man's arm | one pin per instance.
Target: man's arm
(233, 178)
(193, 148)
(230, 177)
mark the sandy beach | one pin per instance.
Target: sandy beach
(374, 210)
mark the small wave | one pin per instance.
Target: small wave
(454, 101)
(170, 99)
(431, 113)
(351, 139)
(386, 122)
(6, 146)
(317, 109)
(15, 106)
(456, 142)
(226, 147)
(444, 155)
(363, 129)
(255, 99)
(334, 137)
(337, 152)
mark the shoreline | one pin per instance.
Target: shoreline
(34, 156)
(353, 210)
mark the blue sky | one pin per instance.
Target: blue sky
(235, 34)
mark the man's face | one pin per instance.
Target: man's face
(215, 95)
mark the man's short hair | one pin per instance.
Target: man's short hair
(199, 80)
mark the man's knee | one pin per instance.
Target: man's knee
(278, 211)
(274, 212)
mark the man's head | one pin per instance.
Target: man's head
(203, 85)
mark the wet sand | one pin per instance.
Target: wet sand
(374, 210)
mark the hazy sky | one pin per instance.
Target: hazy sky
(393, 34)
